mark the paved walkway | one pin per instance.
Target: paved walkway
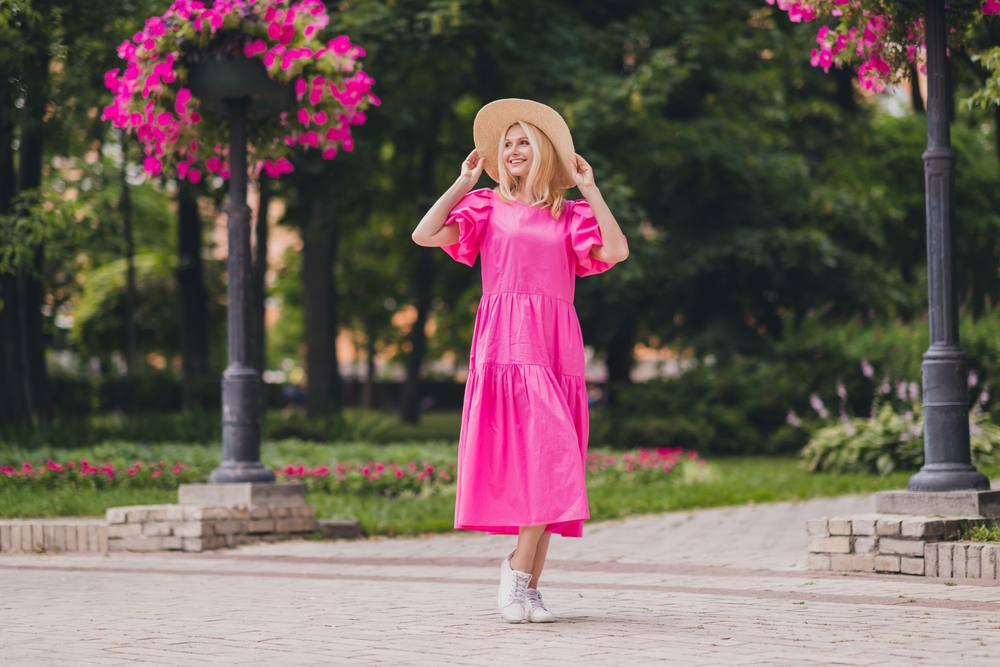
(713, 587)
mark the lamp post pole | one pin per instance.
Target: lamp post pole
(240, 380)
(947, 454)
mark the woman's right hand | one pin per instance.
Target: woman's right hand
(472, 168)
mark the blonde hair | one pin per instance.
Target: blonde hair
(542, 182)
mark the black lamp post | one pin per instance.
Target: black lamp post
(237, 87)
(947, 454)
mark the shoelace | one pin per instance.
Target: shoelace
(535, 598)
(521, 586)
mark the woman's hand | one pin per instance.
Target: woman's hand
(582, 172)
(472, 168)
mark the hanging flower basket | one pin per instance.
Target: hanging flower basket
(885, 38)
(304, 90)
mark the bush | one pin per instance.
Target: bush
(739, 408)
(764, 406)
(86, 431)
(889, 441)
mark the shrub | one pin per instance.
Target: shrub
(890, 440)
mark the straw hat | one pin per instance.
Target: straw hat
(495, 118)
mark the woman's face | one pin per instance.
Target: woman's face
(517, 153)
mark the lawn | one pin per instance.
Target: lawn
(721, 481)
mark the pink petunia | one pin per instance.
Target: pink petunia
(340, 45)
(152, 165)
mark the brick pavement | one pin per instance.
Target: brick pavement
(713, 587)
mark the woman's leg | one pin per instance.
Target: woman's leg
(540, 552)
(528, 538)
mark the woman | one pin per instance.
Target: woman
(523, 445)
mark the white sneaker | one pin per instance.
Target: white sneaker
(513, 585)
(534, 608)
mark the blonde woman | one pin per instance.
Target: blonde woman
(523, 445)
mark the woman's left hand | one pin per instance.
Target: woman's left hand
(582, 172)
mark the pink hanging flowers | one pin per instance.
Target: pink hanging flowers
(151, 98)
(887, 44)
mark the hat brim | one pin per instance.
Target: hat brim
(495, 118)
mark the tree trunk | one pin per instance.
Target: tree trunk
(29, 287)
(367, 392)
(258, 292)
(125, 205)
(12, 406)
(191, 296)
(915, 98)
(409, 411)
(410, 402)
(13, 398)
(619, 359)
(319, 300)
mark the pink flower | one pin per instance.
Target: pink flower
(164, 119)
(111, 81)
(329, 154)
(213, 164)
(340, 45)
(194, 176)
(52, 465)
(300, 88)
(320, 118)
(303, 116)
(152, 165)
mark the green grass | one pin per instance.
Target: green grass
(722, 481)
(981, 534)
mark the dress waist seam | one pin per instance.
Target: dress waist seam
(547, 296)
(484, 364)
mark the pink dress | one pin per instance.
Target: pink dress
(523, 445)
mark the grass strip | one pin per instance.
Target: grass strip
(721, 482)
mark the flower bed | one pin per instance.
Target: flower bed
(370, 478)
(375, 478)
(84, 475)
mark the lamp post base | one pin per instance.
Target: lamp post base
(949, 477)
(233, 472)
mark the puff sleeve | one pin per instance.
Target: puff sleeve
(471, 215)
(585, 233)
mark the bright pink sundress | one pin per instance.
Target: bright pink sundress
(523, 445)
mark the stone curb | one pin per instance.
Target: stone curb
(901, 544)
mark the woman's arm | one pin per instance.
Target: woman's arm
(615, 248)
(432, 232)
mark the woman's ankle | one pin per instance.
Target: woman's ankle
(518, 564)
